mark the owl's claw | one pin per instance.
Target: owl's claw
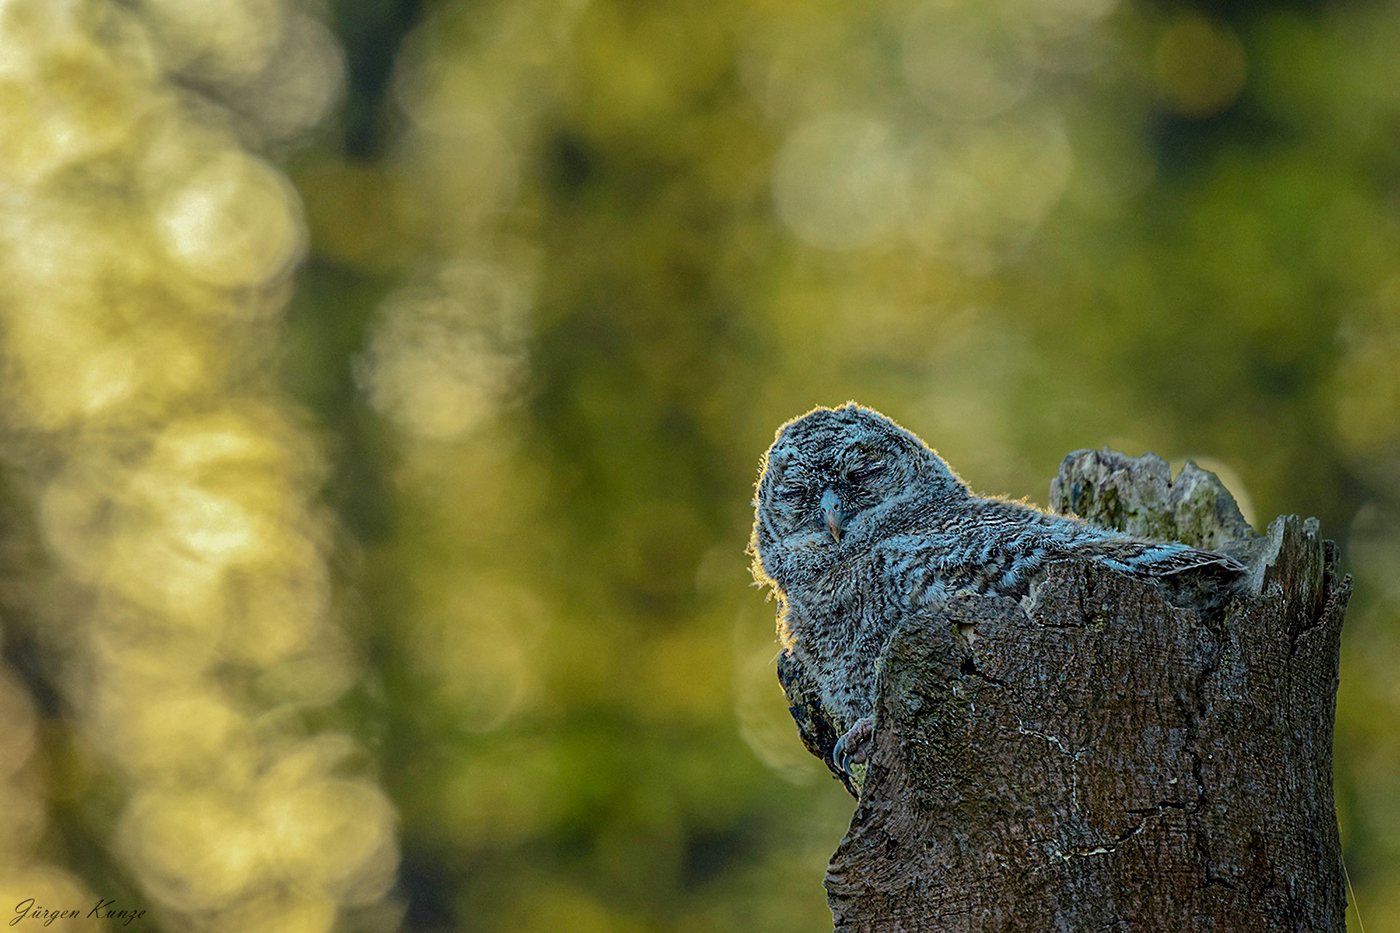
(854, 747)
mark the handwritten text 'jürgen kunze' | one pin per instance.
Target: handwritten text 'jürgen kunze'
(28, 910)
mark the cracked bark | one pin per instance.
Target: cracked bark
(1106, 755)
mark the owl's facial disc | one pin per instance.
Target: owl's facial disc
(828, 472)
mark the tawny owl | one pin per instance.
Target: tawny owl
(859, 526)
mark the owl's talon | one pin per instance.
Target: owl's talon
(854, 747)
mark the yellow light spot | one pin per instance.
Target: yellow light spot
(194, 850)
(333, 833)
(840, 181)
(217, 39)
(969, 61)
(1200, 66)
(236, 222)
(166, 732)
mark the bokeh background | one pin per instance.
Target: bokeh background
(384, 383)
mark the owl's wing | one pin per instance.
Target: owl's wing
(928, 569)
(1158, 559)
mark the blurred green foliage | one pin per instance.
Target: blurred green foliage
(1158, 227)
(568, 265)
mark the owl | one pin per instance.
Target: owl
(859, 525)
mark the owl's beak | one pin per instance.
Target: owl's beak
(831, 510)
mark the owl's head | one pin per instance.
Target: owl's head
(837, 479)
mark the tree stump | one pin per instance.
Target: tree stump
(1105, 754)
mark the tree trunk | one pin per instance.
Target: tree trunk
(1106, 755)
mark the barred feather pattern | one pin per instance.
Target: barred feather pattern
(860, 526)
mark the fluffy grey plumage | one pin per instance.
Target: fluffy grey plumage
(860, 525)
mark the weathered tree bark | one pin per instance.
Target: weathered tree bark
(1106, 755)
